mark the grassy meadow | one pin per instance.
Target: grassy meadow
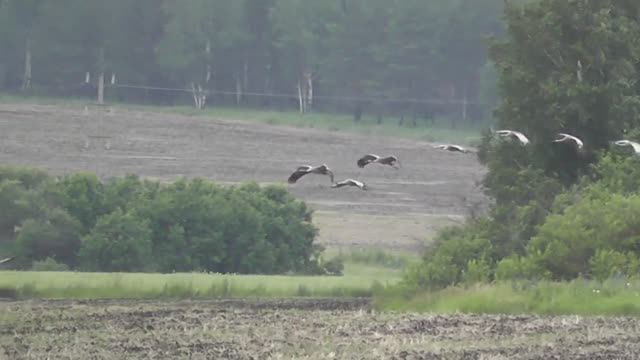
(615, 297)
(359, 280)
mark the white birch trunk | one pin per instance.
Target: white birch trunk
(238, 90)
(101, 89)
(245, 75)
(199, 96)
(464, 106)
(300, 99)
(26, 80)
(309, 90)
(196, 99)
(203, 97)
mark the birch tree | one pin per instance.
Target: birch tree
(196, 35)
(25, 14)
(300, 31)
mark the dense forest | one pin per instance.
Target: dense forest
(420, 58)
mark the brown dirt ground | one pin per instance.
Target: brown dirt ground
(297, 329)
(401, 211)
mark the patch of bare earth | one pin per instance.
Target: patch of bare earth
(288, 329)
(403, 208)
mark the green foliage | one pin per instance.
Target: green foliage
(558, 212)
(83, 197)
(119, 242)
(567, 241)
(134, 225)
(54, 234)
(606, 263)
(543, 90)
(515, 268)
(48, 264)
(446, 261)
(333, 266)
(478, 271)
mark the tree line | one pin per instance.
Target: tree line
(557, 213)
(129, 224)
(356, 56)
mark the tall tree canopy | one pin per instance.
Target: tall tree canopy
(567, 66)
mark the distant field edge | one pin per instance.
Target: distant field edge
(438, 131)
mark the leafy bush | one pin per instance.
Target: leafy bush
(515, 268)
(128, 224)
(83, 198)
(606, 263)
(28, 178)
(49, 264)
(54, 234)
(566, 242)
(477, 271)
(447, 259)
(119, 242)
(334, 266)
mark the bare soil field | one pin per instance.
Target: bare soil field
(297, 329)
(402, 209)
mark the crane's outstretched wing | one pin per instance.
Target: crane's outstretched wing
(635, 146)
(323, 170)
(523, 139)
(350, 182)
(300, 172)
(363, 161)
(390, 160)
(7, 260)
(340, 184)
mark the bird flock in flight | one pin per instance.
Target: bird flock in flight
(394, 162)
(566, 138)
(367, 159)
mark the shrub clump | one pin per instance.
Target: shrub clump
(127, 224)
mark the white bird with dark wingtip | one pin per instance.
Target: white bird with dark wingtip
(308, 169)
(566, 138)
(373, 158)
(633, 144)
(7, 260)
(451, 147)
(517, 134)
(350, 182)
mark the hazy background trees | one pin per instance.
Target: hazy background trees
(350, 56)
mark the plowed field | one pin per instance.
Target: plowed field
(402, 209)
(297, 329)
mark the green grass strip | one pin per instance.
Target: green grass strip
(579, 297)
(359, 281)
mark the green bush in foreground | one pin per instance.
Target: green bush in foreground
(127, 224)
(49, 264)
(118, 242)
